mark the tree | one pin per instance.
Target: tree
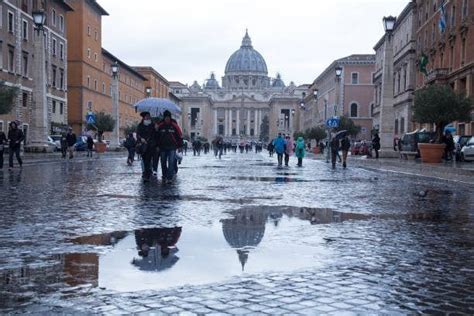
(348, 125)
(103, 122)
(317, 133)
(265, 129)
(130, 129)
(7, 97)
(299, 134)
(440, 105)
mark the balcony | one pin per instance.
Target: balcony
(437, 75)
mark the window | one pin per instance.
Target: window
(103, 87)
(53, 17)
(95, 85)
(11, 59)
(96, 35)
(61, 23)
(354, 110)
(24, 99)
(54, 46)
(88, 53)
(53, 75)
(402, 125)
(24, 30)
(355, 78)
(24, 5)
(399, 81)
(451, 61)
(396, 127)
(95, 57)
(61, 79)
(453, 16)
(61, 108)
(463, 51)
(11, 22)
(88, 82)
(465, 4)
(88, 30)
(61, 50)
(25, 65)
(54, 107)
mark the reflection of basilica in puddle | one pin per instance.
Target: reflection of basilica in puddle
(261, 240)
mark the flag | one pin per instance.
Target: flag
(442, 17)
(423, 63)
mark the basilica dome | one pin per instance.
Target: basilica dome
(246, 60)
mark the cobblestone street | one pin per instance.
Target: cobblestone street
(233, 236)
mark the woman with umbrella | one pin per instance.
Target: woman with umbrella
(146, 144)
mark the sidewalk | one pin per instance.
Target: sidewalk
(451, 171)
(35, 158)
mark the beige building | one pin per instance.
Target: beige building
(250, 105)
(17, 62)
(349, 95)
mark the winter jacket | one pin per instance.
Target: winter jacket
(90, 143)
(345, 144)
(130, 143)
(289, 147)
(376, 142)
(146, 133)
(280, 145)
(15, 136)
(169, 136)
(71, 139)
(300, 148)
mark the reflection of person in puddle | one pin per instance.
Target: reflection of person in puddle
(156, 247)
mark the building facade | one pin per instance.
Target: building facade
(350, 95)
(160, 87)
(90, 70)
(17, 62)
(401, 75)
(450, 51)
(249, 105)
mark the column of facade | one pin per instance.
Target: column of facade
(255, 119)
(226, 122)
(230, 122)
(215, 122)
(237, 129)
(248, 123)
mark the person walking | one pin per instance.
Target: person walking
(15, 137)
(63, 145)
(334, 145)
(345, 146)
(376, 145)
(71, 140)
(3, 143)
(156, 154)
(270, 148)
(146, 143)
(90, 145)
(279, 144)
(130, 145)
(449, 141)
(300, 150)
(289, 149)
(170, 139)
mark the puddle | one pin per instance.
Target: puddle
(270, 179)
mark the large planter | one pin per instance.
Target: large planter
(431, 153)
(100, 147)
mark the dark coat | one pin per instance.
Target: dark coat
(90, 143)
(71, 139)
(15, 136)
(169, 136)
(376, 142)
(345, 144)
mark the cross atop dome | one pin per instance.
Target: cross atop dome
(246, 41)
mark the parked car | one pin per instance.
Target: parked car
(459, 143)
(56, 139)
(467, 152)
(52, 143)
(411, 140)
(81, 143)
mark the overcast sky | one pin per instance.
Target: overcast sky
(186, 40)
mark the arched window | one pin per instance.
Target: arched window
(354, 110)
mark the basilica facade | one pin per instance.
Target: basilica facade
(247, 105)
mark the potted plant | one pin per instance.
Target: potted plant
(439, 105)
(317, 133)
(103, 123)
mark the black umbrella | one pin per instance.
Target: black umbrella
(340, 134)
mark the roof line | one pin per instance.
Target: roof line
(122, 64)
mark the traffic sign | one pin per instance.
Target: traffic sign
(90, 118)
(333, 122)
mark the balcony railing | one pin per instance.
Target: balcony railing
(437, 74)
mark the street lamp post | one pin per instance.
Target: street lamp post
(387, 113)
(39, 118)
(338, 71)
(148, 92)
(115, 142)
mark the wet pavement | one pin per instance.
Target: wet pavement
(237, 236)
